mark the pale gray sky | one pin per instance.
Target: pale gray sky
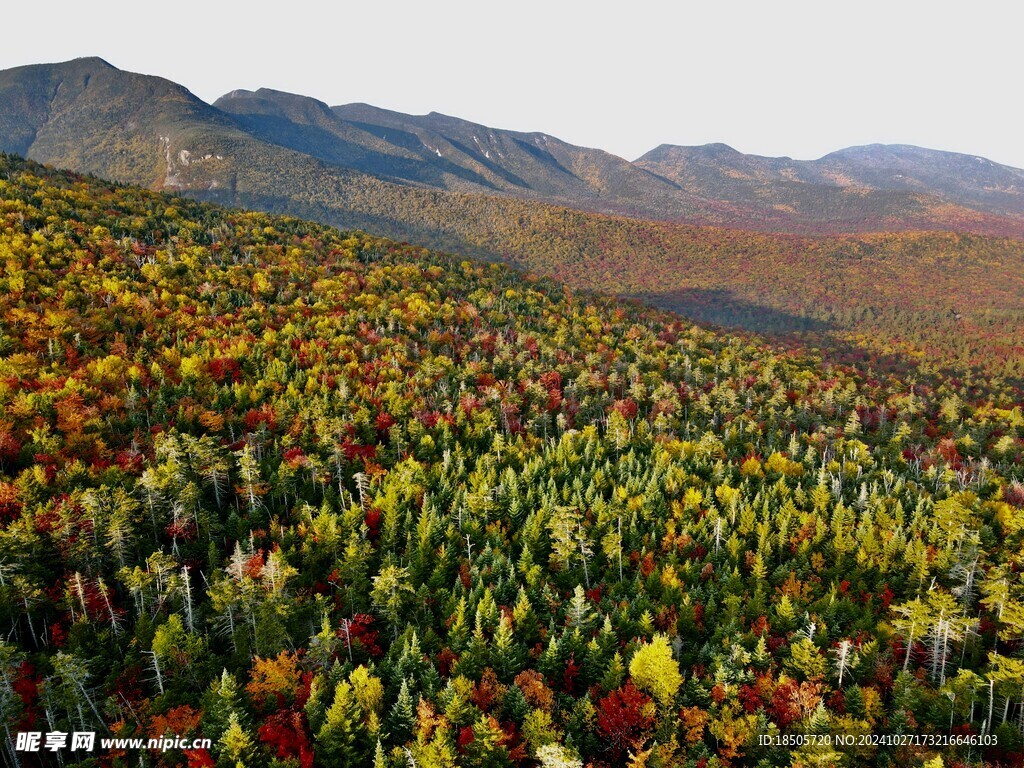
(776, 78)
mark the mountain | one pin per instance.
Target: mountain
(358, 165)
(88, 115)
(91, 117)
(899, 174)
(448, 153)
(858, 189)
(956, 178)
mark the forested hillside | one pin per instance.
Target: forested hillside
(943, 299)
(332, 501)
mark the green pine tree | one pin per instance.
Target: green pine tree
(341, 739)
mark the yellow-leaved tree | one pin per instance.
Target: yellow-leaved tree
(655, 671)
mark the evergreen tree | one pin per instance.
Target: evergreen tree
(341, 740)
(235, 747)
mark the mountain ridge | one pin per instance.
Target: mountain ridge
(951, 176)
(88, 115)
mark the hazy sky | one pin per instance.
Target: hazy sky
(774, 78)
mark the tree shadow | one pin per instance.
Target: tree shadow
(722, 307)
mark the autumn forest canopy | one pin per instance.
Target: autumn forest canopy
(331, 500)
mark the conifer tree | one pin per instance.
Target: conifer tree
(341, 740)
(235, 748)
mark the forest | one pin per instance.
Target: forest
(946, 299)
(331, 500)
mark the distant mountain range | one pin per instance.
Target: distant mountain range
(410, 176)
